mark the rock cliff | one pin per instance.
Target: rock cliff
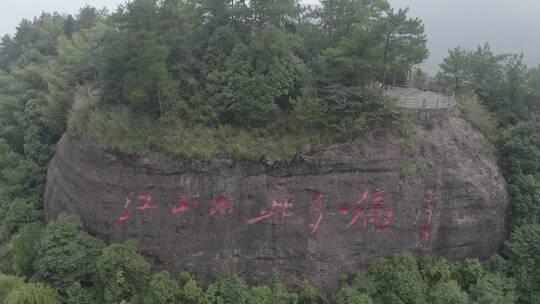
(327, 212)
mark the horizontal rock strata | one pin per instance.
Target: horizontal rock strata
(298, 216)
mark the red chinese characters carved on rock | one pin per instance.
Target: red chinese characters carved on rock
(127, 203)
(124, 217)
(147, 200)
(373, 215)
(285, 209)
(371, 208)
(319, 203)
(221, 202)
(427, 206)
(185, 206)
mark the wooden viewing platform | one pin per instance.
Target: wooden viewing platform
(412, 98)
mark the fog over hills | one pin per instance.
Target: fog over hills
(508, 25)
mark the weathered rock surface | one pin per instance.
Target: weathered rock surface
(455, 160)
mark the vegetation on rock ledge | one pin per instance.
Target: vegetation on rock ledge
(198, 78)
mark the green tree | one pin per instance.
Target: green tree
(520, 152)
(23, 249)
(121, 274)
(56, 112)
(220, 46)
(398, 280)
(66, 253)
(436, 271)
(9, 52)
(257, 77)
(262, 295)
(162, 290)
(16, 214)
(497, 264)
(349, 295)
(354, 61)
(20, 189)
(69, 26)
(493, 288)
(276, 13)
(351, 111)
(500, 81)
(308, 294)
(135, 69)
(87, 17)
(533, 87)
(38, 143)
(33, 294)
(454, 73)
(525, 194)
(227, 289)
(340, 18)
(81, 57)
(485, 72)
(277, 293)
(8, 284)
(191, 293)
(448, 292)
(512, 88)
(522, 249)
(404, 42)
(468, 272)
(76, 294)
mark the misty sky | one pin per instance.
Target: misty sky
(511, 26)
(508, 25)
(12, 11)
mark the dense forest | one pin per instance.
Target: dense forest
(200, 78)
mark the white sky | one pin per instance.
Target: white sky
(13, 11)
(509, 25)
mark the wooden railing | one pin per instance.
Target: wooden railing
(427, 104)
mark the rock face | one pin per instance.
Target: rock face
(466, 218)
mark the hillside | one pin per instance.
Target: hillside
(268, 141)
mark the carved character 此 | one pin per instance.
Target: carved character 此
(285, 209)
